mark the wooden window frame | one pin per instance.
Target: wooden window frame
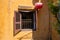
(18, 30)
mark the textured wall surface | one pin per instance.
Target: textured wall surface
(5, 27)
(7, 8)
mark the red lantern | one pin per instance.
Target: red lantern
(38, 5)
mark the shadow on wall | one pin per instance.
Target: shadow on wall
(35, 34)
(25, 36)
(42, 30)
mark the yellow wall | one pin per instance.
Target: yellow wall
(5, 32)
(7, 8)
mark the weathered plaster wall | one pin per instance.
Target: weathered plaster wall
(5, 27)
(43, 23)
(7, 8)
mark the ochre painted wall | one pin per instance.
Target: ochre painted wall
(5, 27)
(7, 8)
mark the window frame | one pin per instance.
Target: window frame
(14, 21)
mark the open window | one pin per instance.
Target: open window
(24, 20)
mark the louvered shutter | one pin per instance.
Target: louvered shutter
(17, 22)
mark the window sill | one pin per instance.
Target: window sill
(26, 29)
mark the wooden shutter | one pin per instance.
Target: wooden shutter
(34, 20)
(16, 22)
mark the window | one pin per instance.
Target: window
(24, 20)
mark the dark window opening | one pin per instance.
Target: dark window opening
(24, 20)
(27, 20)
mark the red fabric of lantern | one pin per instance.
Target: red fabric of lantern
(38, 5)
